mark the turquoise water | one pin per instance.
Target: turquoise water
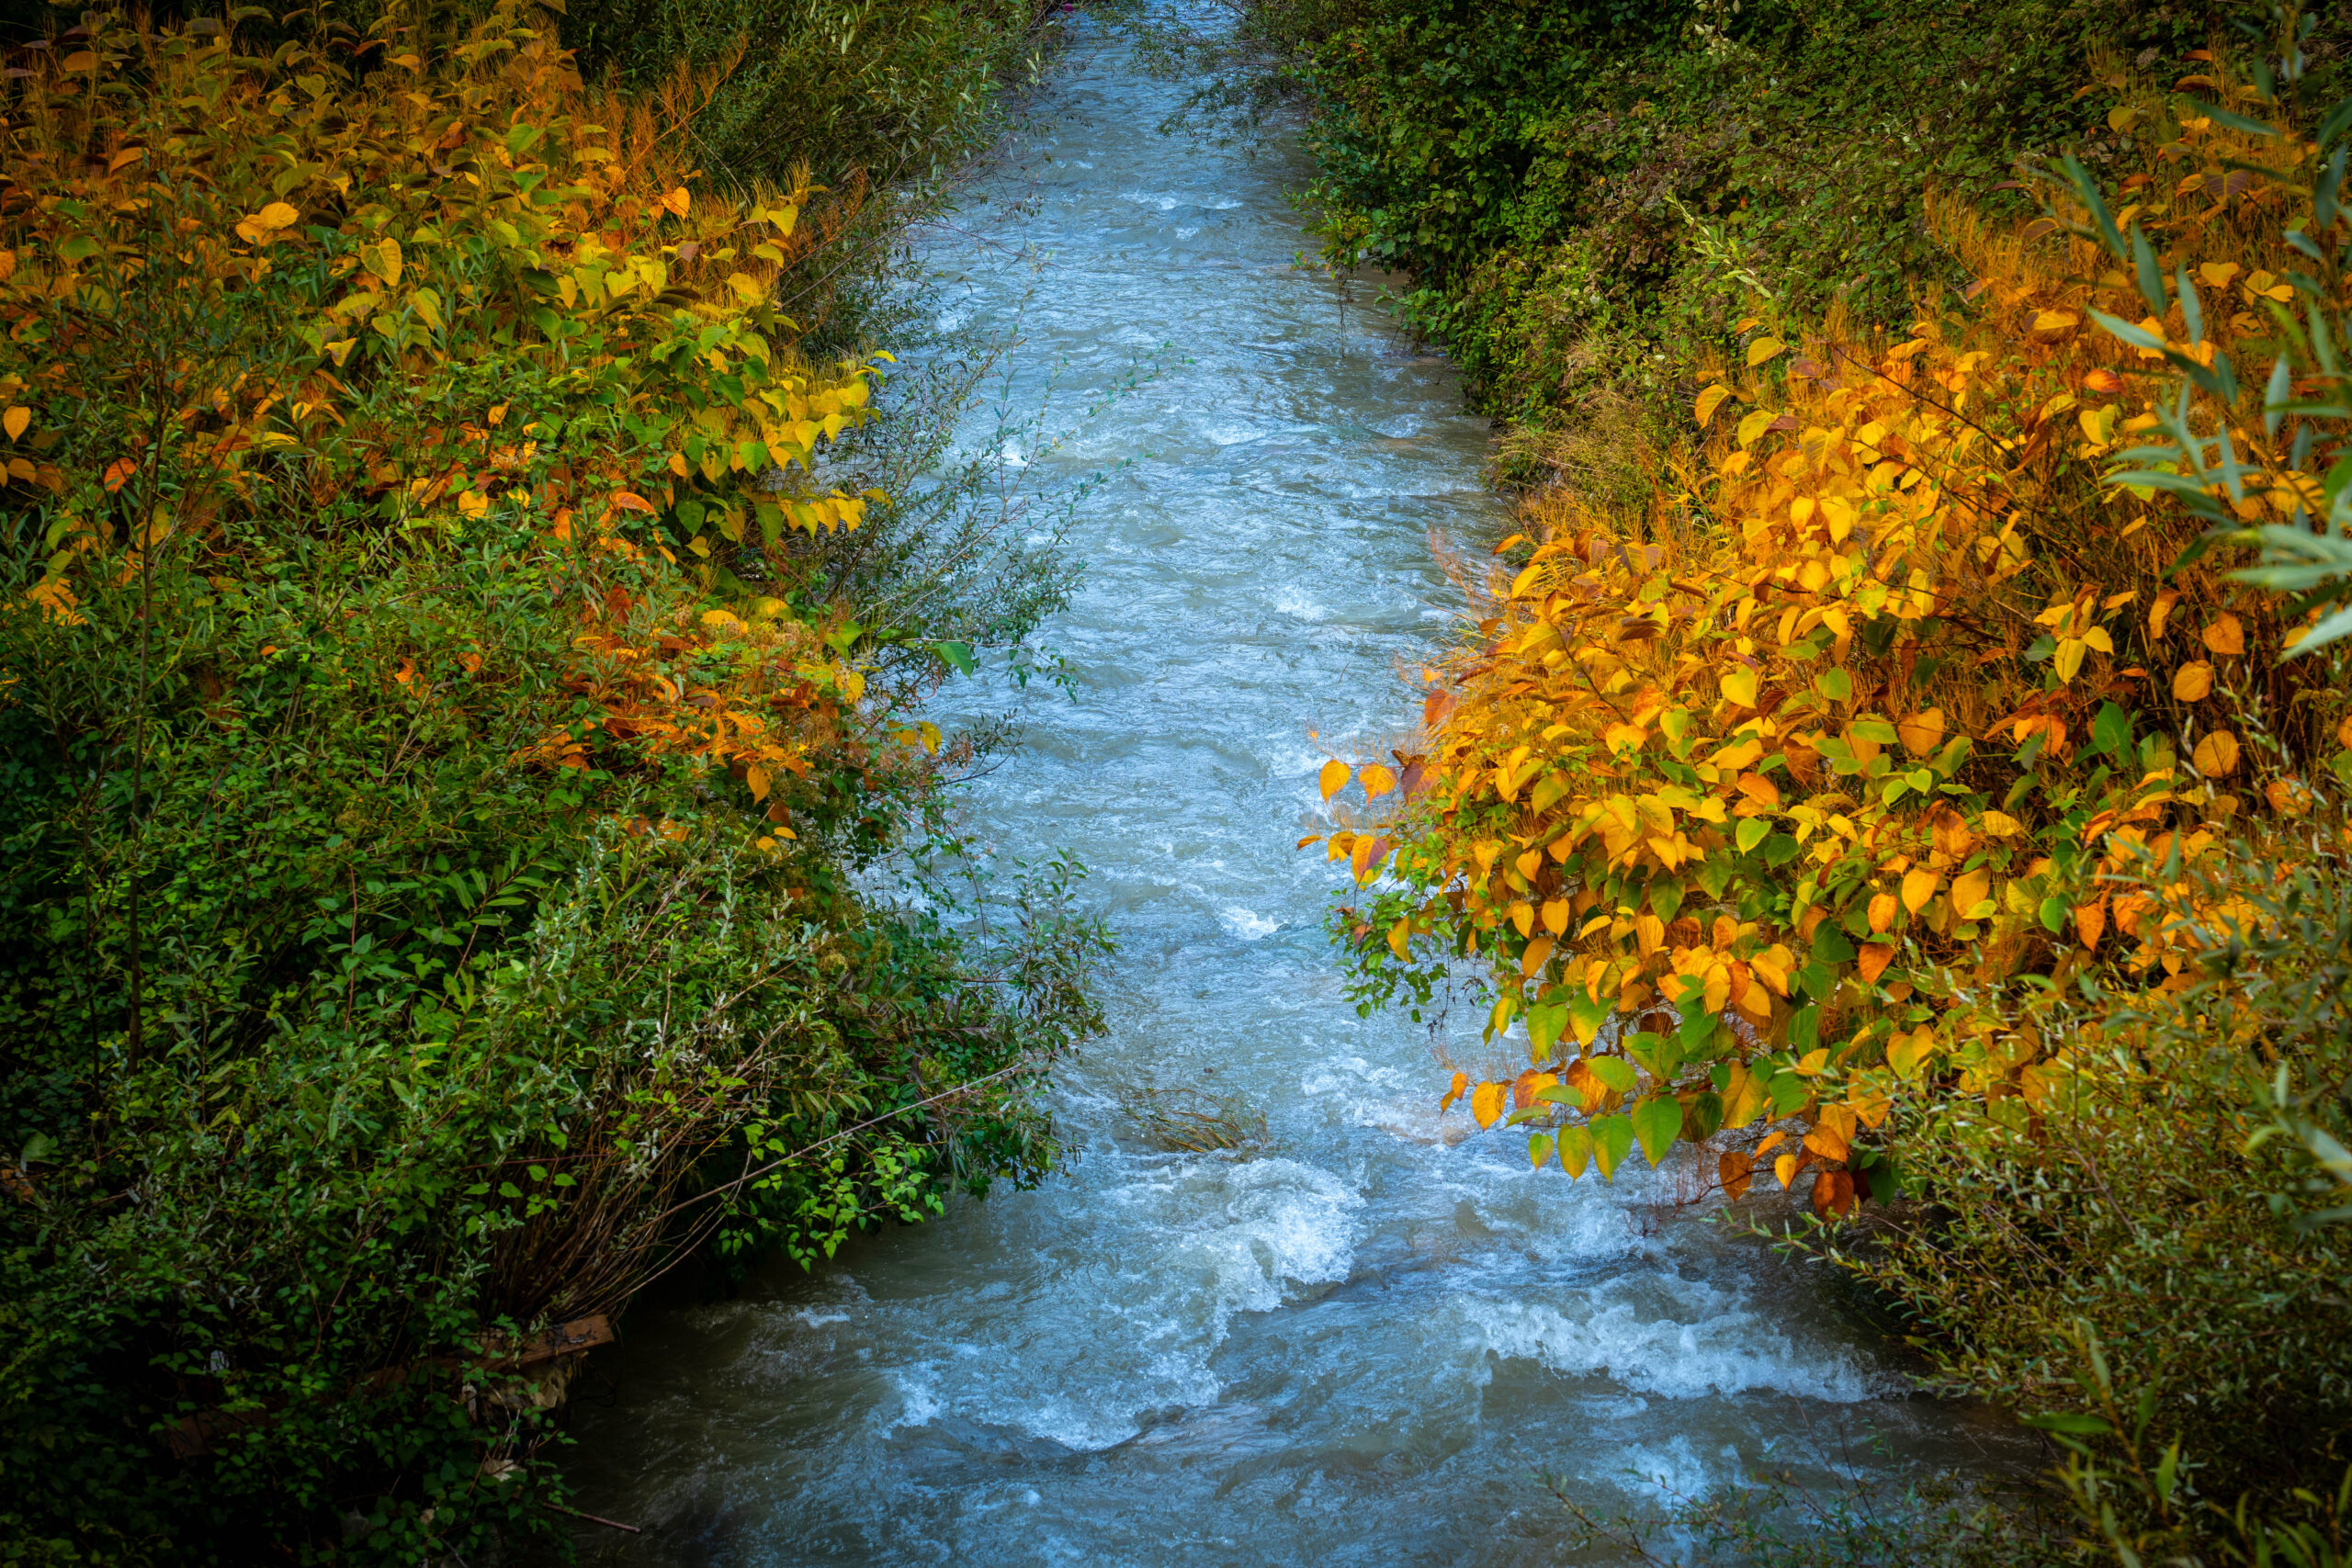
(1358, 1342)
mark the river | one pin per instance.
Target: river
(1358, 1341)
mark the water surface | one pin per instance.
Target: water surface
(1358, 1342)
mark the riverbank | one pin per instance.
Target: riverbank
(1353, 1337)
(1902, 755)
(478, 841)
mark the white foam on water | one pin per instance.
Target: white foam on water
(1290, 602)
(919, 1399)
(1246, 924)
(1717, 1348)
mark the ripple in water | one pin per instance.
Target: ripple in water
(1356, 1343)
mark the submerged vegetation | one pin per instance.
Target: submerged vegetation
(469, 595)
(1905, 751)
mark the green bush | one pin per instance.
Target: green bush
(444, 775)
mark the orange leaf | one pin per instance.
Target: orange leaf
(1827, 1142)
(1461, 1082)
(2191, 683)
(1734, 1171)
(1333, 778)
(119, 473)
(629, 501)
(2090, 921)
(1919, 885)
(2217, 755)
(2226, 635)
(1922, 732)
(1833, 1195)
(1873, 959)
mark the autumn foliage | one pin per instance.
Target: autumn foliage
(1922, 699)
(450, 800)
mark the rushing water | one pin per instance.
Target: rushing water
(1358, 1342)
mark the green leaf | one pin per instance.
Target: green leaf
(1657, 1121)
(1705, 1117)
(2078, 1426)
(1835, 684)
(958, 654)
(1575, 1145)
(2111, 730)
(1612, 1140)
(1666, 898)
(1830, 946)
(1614, 1071)
(1751, 831)
(1539, 1148)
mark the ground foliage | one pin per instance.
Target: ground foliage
(448, 774)
(1930, 798)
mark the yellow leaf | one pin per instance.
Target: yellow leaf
(2217, 755)
(1911, 1052)
(1333, 778)
(2193, 683)
(1918, 887)
(1753, 426)
(677, 201)
(758, 778)
(1826, 1142)
(1710, 400)
(1461, 1082)
(1378, 781)
(1745, 1097)
(1740, 687)
(276, 215)
(1969, 890)
(1784, 1170)
(1531, 961)
(1772, 966)
(17, 420)
(1397, 935)
(1523, 915)
(1486, 1102)
(1762, 349)
(2056, 321)
(1922, 732)
(2226, 635)
(1556, 915)
(1881, 911)
(2217, 274)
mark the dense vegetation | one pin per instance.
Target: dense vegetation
(1904, 757)
(468, 595)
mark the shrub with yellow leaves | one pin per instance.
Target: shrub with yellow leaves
(1932, 689)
